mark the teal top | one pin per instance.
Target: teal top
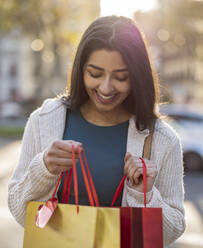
(105, 149)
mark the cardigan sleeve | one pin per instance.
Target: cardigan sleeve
(167, 193)
(31, 180)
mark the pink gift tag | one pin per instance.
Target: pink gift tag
(45, 212)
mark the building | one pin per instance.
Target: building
(16, 81)
(175, 35)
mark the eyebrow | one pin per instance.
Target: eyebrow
(101, 69)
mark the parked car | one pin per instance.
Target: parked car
(189, 125)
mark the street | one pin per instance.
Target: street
(11, 234)
(193, 236)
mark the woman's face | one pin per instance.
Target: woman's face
(106, 80)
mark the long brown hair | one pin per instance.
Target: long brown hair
(121, 34)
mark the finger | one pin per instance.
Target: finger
(58, 169)
(136, 160)
(137, 176)
(62, 162)
(126, 166)
(132, 161)
(131, 173)
(59, 153)
(151, 173)
(66, 145)
(132, 158)
(127, 156)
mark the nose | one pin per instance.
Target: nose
(106, 87)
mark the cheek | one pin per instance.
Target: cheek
(124, 89)
(89, 82)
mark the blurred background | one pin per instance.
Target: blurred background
(38, 40)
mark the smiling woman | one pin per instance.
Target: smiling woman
(108, 111)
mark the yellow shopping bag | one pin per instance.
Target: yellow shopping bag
(92, 227)
(73, 226)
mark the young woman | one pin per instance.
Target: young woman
(109, 111)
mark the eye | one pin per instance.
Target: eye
(94, 75)
(122, 78)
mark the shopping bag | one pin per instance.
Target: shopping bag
(73, 226)
(89, 228)
(140, 227)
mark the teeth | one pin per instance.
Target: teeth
(105, 97)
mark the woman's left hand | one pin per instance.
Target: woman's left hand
(134, 172)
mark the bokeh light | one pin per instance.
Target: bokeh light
(37, 45)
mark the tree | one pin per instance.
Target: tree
(48, 21)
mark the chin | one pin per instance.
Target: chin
(106, 107)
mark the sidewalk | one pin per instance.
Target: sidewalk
(193, 236)
(11, 233)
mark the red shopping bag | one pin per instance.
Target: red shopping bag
(140, 227)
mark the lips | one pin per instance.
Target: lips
(105, 99)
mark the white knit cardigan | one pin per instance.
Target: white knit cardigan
(32, 181)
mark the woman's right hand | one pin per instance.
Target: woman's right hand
(58, 157)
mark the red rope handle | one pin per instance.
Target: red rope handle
(120, 187)
(53, 196)
(68, 178)
(118, 191)
(65, 186)
(144, 181)
(85, 179)
(91, 181)
(75, 178)
(69, 184)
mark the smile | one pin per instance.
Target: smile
(105, 97)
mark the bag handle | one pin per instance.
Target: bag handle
(57, 185)
(121, 185)
(95, 197)
(67, 185)
(146, 154)
(92, 195)
(75, 178)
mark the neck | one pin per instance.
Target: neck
(104, 118)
